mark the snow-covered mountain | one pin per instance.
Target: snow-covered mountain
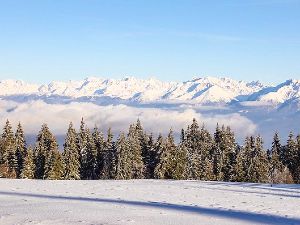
(207, 90)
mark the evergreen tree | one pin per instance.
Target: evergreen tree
(54, 167)
(123, 163)
(91, 158)
(276, 166)
(172, 160)
(28, 167)
(137, 164)
(290, 156)
(108, 163)
(71, 155)
(45, 145)
(9, 160)
(20, 149)
(100, 145)
(252, 162)
(81, 146)
(149, 157)
(224, 154)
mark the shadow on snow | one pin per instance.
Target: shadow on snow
(222, 213)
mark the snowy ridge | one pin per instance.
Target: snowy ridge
(207, 90)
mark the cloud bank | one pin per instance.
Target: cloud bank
(34, 113)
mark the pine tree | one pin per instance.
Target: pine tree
(71, 155)
(81, 146)
(28, 168)
(137, 167)
(290, 156)
(100, 145)
(218, 151)
(91, 158)
(45, 144)
(54, 168)
(276, 166)
(20, 149)
(192, 143)
(9, 160)
(123, 163)
(108, 163)
(161, 169)
(149, 157)
(225, 155)
(252, 162)
(172, 160)
(297, 162)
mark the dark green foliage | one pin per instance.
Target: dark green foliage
(100, 145)
(45, 145)
(20, 145)
(252, 162)
(91, 158)
(135, 152)
(172, 160)
(107, 165)
(71, 155)
(224, 152)
(28, 167)
(291, 156)
(198, 155)
(123, 163)
(54, 168)
(8, 159)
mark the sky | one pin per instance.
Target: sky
(176, 40)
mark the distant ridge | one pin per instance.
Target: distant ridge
(206, 90)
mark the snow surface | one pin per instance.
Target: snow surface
(145, 202)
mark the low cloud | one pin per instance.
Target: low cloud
(33, 114)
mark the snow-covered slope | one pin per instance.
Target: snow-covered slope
(147, 202)
(207, 90)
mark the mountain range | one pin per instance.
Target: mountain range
(199, 91)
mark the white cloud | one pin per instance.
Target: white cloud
(33, 114)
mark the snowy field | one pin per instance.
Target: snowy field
(145, 202)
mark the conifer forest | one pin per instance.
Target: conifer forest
(198, 155)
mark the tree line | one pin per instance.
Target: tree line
(199, 155)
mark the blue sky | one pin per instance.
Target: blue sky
(177, 40)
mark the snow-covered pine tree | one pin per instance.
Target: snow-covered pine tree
(161, 169)
(28, 168)
(123, 161)
(192, 142)
(297, 171)
(218, 152)
(135, 149)
(252, 162)
(261, 162)
(81, 145)
(290, 156)
(9, 160)
(20, 148)
(179, 160)
(108, 164)
(54, 167)
(45, 144)
(71, 155)
(172, 159)
(149, 157)
(100, 145)
(227, 145)
(91, 158)
(276, 166)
